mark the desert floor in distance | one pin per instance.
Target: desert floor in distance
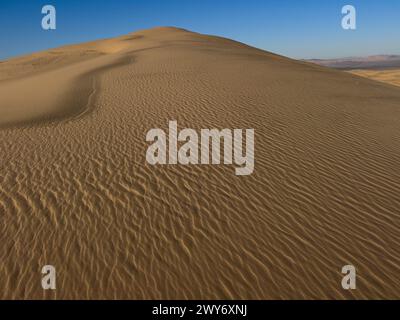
(76, 191)
(391, 76)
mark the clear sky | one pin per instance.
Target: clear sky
(295, 28)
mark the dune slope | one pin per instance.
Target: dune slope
(76, 191)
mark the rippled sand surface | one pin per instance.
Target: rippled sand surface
(76, 191)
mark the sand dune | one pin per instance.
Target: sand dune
(391, 76)
(76, 191)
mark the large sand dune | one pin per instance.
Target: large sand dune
(76, 191)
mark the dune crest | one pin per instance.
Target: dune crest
(57, 84)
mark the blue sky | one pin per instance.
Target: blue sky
(294, 28)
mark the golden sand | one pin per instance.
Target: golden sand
(391, 76)
(76, 191)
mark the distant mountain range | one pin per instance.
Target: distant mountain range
(371, 62)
